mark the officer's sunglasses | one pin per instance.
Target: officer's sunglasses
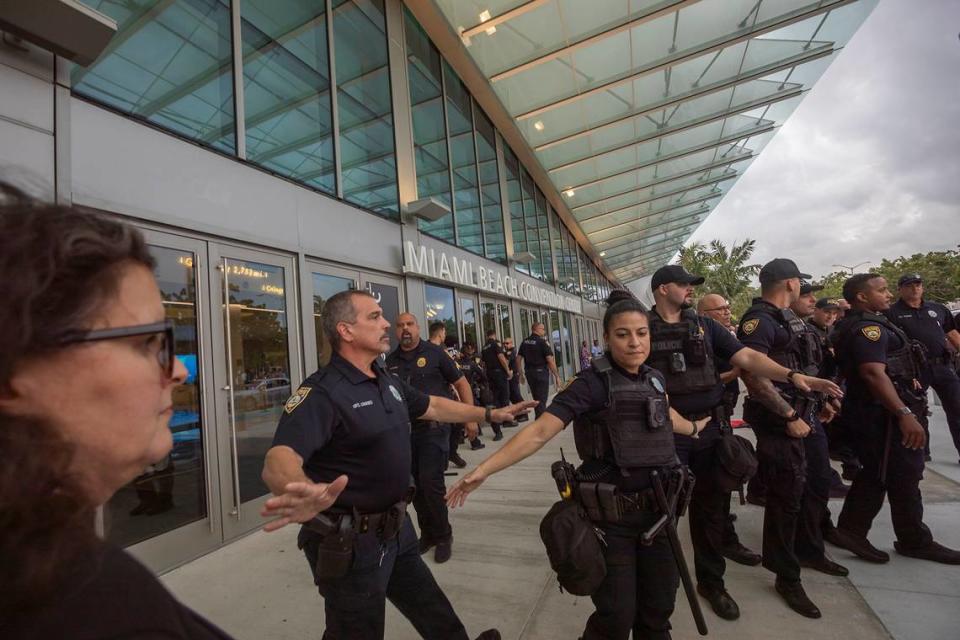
(165, 356)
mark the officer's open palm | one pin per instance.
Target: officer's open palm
(508, 413)
(457, 494)
(300, 502)
(798, 429)
(810, 383)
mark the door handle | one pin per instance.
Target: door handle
(234, 454)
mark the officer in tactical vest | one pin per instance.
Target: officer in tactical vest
(473, 371)
(623, 429)
(340, 465)
(780, 415)
(884, 398)
(685, 348)
(537, 364)
(815, 525)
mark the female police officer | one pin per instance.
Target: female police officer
(639, 591)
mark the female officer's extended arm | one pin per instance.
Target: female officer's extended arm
(686, 427)
(528, 441)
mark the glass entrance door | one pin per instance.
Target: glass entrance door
(257, 347)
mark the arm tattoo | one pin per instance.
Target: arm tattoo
(762, 389)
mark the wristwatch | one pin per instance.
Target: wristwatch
(904, 411)
(486, 414)
(790, 375)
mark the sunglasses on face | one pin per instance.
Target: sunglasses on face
(165, 355)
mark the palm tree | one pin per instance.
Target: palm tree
(727, 271)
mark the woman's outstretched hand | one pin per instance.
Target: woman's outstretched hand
(457, 494)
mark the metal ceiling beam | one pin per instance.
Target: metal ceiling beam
(714, 164)
(671, 7)
(718, 44)
(756, 131)
(651, 214)
(665, 194)
(628, 248)
(631, 236)
(506, 16)
(651, 259)
(645, 252)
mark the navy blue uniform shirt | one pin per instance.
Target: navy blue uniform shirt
(928, 324)
(535, 351)
(860, 340)
(341, 421)
(761, 333)
(426, 367)
(489, 356)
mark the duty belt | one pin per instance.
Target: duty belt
(386, 524)
(605, 502)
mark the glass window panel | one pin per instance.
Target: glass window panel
(531, 231)
(368, 164)
(429, 132)
(324, 287)
(171, 493)
(170, 63)
(546, 259)
(488, 313)
(286, 89)
(506, 329)
(515, 202)
(439, 301)
(556, 244)
(491, 205)
(466, 202)
(468, 318)
(650, 210)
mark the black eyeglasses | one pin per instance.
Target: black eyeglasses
(165, 356)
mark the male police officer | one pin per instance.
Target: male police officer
(473, 371)
(537, 364)
(881, 367)
(814, 524)
(685, 347)
(934, 327)
(498, 374)
(343, 447)
(427, 368)
(510, 351)
(780, 416)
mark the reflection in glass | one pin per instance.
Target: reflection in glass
(388, 297)
(171, 493)
(525, 322)
(286, 89)
(488, 314)
(468, 318)
(429, 132)
(439, 301)
(489, 187)
(260, 364)
(324, 287)
(368, 164)
(531, 231)
(555, 332)
(170, 63)
(515, 201)
(466, 201)
(506, 330)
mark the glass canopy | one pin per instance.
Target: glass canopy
(644, 113)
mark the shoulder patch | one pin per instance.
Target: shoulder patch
(751, 325)
(296, 399)
(871, 332)
(421, 362)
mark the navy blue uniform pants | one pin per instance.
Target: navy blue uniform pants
(815, 513)
(946, 385)
(901, 487)
(640, 590)
(515, 394)
(783, 470)
(500, 387)
(538, 378)
(430, 451)
(710, 526)
(354, 604)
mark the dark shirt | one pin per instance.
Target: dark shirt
(511, 358)
(761, 333)
(426, 367)
(341, 421)
(535, 351)
(588, 394)
(828, 363)
(111, 595)
(489, 357)
(723, 345)
(860, 340)
(927, 324)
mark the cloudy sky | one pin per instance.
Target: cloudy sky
(868, 166)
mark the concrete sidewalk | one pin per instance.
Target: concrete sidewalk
(260, 587)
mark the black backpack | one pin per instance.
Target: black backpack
(574, 546)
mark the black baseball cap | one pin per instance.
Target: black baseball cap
(807, 287)
(909, 278)
(674, 273)
(781, 269)
(827, 303)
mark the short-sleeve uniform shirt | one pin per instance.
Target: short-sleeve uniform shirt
(860, 339)
(489, 356)
(426, 367)
(343, 422)
(928, 324)
(761, 333)
(535, 351)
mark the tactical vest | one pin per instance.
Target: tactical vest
(633, 430)
(680, 351)
(903, 365)
(802, 352)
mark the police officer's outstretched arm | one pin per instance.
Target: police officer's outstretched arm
(296, 497)
(445, 410)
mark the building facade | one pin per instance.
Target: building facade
(267, 150)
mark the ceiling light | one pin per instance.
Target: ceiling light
(538, 125)
(603, 253)
(490, 31)
(484, 16)
(569, 193)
